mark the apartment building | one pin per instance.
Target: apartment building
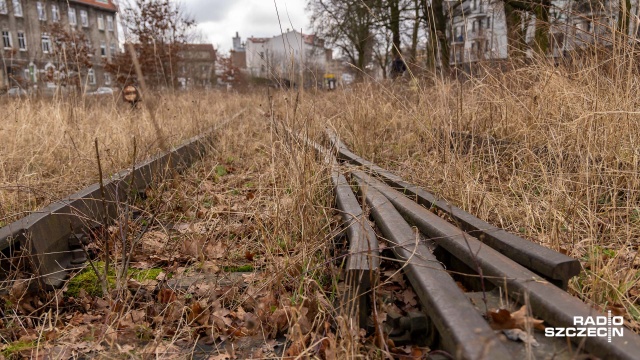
(478, 31)
(287, 55)
(29, 56)
(197, 66)
(239, 53)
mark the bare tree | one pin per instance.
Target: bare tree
(159, 29)
(73, 51)
(383, 49)
(348, 25)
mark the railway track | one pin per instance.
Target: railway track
(48, 240)
(458, 265)
(493, 266)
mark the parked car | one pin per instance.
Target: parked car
(17, 91)
(101, 91)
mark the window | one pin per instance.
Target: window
(488, 22)
(91, 76)
(42, 13)
(473, 26)
(46, 43)
(27, 74)
(107, 79)
(101, 22)
(110, 23)
(73, 21)
(89, 47)
(112, 50)
(17, 8)
(22, 41)
(486, 46)
(3, 7)
(84, 18)
(55, 13)
(6, 39)
(103, 49)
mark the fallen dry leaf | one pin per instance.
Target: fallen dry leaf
(502, 319)
(166, 296)
(299, 342)
(523, 321)
(198, 313)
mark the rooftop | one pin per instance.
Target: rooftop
(101, 4)
(201, 47)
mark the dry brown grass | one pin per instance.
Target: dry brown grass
(257, 199)
(550, 153)
(48, 145)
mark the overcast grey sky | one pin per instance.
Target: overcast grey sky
(219, 20)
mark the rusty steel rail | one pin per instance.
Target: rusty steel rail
(46, 234)
(554, 266)
(547, 301)
(462, 330)
(363, 259)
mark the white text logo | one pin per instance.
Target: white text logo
(590, 326)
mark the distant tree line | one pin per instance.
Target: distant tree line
(374, 31)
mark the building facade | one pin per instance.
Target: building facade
(478, 31)
(197, 66)
(287, 56)
(238, 54)
(33, 53)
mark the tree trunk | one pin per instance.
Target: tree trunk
(515, 33)
(541, 38)
(394, 26)
(414, 34)
(437, 20)
(624, 16)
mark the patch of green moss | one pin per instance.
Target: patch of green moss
(12, 350)
(241, 268)
(221, 170)
(89, 281)
(149, 274)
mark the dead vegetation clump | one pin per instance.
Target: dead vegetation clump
(48, 145)
(549, 153)
(230, 260)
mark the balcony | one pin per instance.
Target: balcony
(477, 34)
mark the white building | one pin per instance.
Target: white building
(287, 56)
(477, 30)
